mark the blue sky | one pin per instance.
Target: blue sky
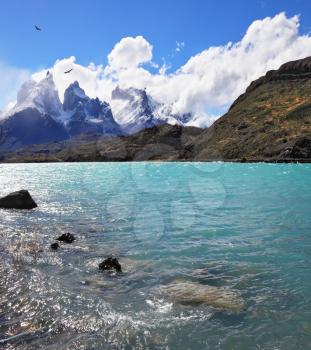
(197, 56)
(90, 29)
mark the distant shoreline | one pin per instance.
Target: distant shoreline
(286, 161)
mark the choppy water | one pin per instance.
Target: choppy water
(244, 227)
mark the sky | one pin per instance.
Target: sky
(196, 55)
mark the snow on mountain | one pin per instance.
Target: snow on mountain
(38, 104)
(73, 96)
(39, 116)
(135, 110)
(29, 126)
(78, 114)
(85, 114)
(41, 96)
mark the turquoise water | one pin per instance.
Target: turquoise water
(243, 228)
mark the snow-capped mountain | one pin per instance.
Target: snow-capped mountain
(41, 96)
(135, 110)
(83, 114)
(39, 116)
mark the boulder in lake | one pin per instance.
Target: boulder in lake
(18, 200)
(66, 238)
(191, 293)
(110, 264)
(54, 246)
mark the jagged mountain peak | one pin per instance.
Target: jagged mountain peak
(74, 94)
(75, 99)
(120, 94)
(133, 109)
(41, 95)
(128, 94)
(75, 88)
(87, 115)
(138, 99)
(38, 105)
(31, 88)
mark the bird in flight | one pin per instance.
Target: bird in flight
(38, 28)
(68, 71)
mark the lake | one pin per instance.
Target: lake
(243, 230)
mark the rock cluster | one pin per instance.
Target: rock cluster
(181, 292)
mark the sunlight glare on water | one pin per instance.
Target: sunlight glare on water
(236, 236)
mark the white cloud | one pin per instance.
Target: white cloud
(130, 52)
(90, 77)
(163, 69)
(11, 79)
(209, 81)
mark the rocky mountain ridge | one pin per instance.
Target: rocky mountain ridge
(38, 105)
(271, 121)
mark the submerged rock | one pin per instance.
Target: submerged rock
(27, 248)
(110, 264)
(18, 200)
(66, 237)
(95, 282)
(190, 293)
(54, 246)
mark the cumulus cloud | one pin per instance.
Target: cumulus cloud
(221, 74)
(89, 77)
(211, 80)
(130, 52)
(207, 83)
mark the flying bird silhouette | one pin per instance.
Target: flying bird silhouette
(38, 28)
(68, 71)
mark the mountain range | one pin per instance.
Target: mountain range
(39, 116)
(270, 122)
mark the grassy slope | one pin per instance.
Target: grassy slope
(263, 124)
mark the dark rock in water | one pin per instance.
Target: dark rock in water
(18, 200)
(110, 264)
(54, 246)
(66, 237)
